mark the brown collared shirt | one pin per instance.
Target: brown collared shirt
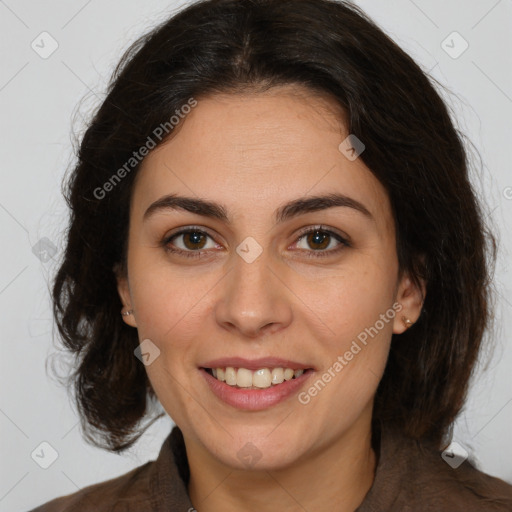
(409, 477)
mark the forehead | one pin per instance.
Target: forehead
(258, 150)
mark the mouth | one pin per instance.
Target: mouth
(255, 384)
(263, 378)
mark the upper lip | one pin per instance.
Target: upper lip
(255, 364)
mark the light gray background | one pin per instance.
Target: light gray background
(38, 97)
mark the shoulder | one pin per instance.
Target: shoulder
(447, 488)
(156, 485)
(118, 494)
(412, 476)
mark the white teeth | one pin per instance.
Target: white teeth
(288, 374)
(244, 378)
(261, 379)
(230, 376)
(277, 375)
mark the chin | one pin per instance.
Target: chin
(251, 458)
(256, 449)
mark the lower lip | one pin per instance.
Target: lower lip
(255, 399)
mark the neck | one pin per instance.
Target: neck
(340, 473)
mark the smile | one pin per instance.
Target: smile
(248, 379)
(255, 384)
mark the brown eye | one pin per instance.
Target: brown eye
(318, 239)
(188, 243)
(320, 242)
(194, 239)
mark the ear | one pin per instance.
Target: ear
(411, 297)
(123, 288)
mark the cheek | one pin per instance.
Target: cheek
(357, 306)
(168, 309)
(352, 298)
(354, 358)
(166, 296)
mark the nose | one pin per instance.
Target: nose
(255, 300)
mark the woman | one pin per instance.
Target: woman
(274, 236)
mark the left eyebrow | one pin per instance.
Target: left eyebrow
(286, 212)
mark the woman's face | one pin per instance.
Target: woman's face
(249, 289)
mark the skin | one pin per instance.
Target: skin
(252, 153)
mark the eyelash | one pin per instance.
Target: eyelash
(316, 254)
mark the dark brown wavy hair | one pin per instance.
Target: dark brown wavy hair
(412, 147)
